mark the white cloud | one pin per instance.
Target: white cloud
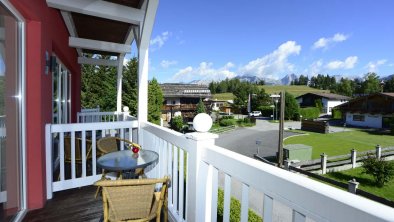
(325, 43)
(316, 67)
(349, 63)
(204, 71)
(158, 41)
(167, 63)
(273, 64)
(373, 66)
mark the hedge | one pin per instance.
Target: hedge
(266, 111)
(336, 114)
(309, 112)
(227, 122)
(235, 209)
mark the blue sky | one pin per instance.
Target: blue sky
(218, 39)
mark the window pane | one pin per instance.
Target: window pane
(10, 150)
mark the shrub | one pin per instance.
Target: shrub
(382, 171)
(309, 113)
(227, 117)
(336, 114)
(227, 122)
(177, 123)
(235, 210)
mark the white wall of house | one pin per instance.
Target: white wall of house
(329, 104)
(173, 101)
(364, 120)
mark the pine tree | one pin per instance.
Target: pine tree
(200, 107)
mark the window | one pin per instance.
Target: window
(360, 118)
(61, 94)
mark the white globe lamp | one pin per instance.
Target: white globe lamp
(202, 122)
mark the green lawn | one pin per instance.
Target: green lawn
(366, 182)
(342, 142)
(294, 90)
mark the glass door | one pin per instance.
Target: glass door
(11, 96)
(61, 94)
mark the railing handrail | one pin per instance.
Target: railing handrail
(57, 128)
(291, 188)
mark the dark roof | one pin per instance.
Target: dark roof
(390, 94)
(331, 96)
(373, 103)
(185, 90)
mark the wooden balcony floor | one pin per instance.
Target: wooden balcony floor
(71, 205)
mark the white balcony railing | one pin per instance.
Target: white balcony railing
(94, 117)
(195, 163)
(198, 168)
(79, 133)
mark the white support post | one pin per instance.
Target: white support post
(352, 186)
(143, 57)
(198, 178)
(48, 158)
(323, 158)
(119, 85)
(353, 154)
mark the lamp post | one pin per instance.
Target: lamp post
(275, 99)
(381, 86)
(273, 112)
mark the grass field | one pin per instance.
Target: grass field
(366, 182)
(342, 142)
(295, 90)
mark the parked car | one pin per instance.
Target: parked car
(255, 113)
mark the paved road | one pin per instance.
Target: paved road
(243, 140)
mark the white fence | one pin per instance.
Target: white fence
(55, 151)
(194, 163)
(93, 117)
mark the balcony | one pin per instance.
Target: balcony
(198, 168)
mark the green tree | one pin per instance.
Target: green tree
(389, 84)
(371, 83)
(155, 101)
(242, 95)
(200, 107)
(292, 109)
(177, 123)
(99, 86)
(344, 87)
(130, 85)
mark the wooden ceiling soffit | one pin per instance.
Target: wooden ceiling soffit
(90, 27)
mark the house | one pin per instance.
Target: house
(373, 110)
(43, 44)
(182, 99)
(222, 106)
(329, 100)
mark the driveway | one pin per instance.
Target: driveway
(243, 140)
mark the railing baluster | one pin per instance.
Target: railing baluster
(214, 198)
(268, 208)
(61, 154)
(73, 169)
(227, 198)
(83, 153)
(121, 136)
(298, 217)
(181, 183)
(244, 202)
(175, 178)
(169, 165)
(94, 153)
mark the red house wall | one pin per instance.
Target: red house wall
(45, 31)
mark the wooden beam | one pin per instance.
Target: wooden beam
(70, 27)
(101, 9)
(147, 26)
(99, 62)
(98, 45)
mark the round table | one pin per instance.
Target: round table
(126, 160)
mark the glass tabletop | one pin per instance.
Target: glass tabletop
(126, 160)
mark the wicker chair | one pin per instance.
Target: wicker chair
(78, 151)
(133, 200)
(110, 144)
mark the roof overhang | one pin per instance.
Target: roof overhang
(106, 27)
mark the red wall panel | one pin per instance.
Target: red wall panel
(45, 32)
